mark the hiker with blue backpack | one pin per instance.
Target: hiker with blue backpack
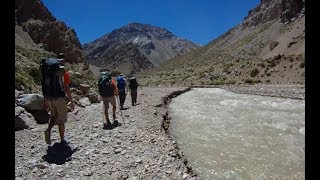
(108, 90)
(121, 84)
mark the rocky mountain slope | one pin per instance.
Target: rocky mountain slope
(40, 35)
(267, 47)
(135, 47)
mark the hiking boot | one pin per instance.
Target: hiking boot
(47, 137)
(64, 142)
(115, 122)
(108, 123)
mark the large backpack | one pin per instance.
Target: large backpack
(105, 84)
(133, 84)
(121, 84)
(52, 78)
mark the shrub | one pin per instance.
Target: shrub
(254, 72)
(301, 65)
(249, 81)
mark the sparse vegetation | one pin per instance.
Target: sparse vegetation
(301, 65)
(254, 72)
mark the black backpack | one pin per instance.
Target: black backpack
(105, 85)
(52, 75)
(133, 84)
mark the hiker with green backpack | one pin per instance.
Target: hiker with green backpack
(56, 91)
(108, 90)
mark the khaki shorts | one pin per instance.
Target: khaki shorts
(107, 100)
(58, 111)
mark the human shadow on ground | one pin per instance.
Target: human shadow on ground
(111, 126)
(59, 153)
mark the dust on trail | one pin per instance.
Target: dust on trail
(139, 148)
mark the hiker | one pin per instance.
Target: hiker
(55, 86)
(121, 84)
(108, 90)
(133, 85)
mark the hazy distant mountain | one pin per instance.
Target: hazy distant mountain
(134, 47)
(268, 47)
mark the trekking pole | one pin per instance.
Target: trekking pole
(120, 110)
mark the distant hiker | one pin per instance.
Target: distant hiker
(55, 85)
(108, 90)
(133, 85)
(121, 84)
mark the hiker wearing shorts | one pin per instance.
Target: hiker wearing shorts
(58, 107)
(108, 97)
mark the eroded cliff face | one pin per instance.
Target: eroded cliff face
(44, 29)
(272, 9)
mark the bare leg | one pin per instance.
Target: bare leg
(114, 111)
(61, 131)
(106, 114)
(48, 131)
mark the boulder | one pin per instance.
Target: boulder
(23, 119)
(94, 97)
(85, 101)
(30, 101)
(84, 88)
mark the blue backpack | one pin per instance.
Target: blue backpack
(121, 83)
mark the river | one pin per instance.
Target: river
(226, 135)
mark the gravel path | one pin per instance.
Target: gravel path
(140, 148)
(137, 149)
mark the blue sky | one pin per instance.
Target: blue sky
(200, 21)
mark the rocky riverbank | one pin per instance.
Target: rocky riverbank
(294, 91)
(139, 148)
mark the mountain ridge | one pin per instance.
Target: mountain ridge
(153, 44)
(264, 48)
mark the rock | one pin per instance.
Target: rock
(94, 97)
(84, 88)
(20, 124)
(23, 119)
(31, 101)
(273, 44)
(133, 178)
(85, 101)
(72, 117)
(138, 160)
(118, 150)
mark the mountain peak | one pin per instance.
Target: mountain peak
(134, 42)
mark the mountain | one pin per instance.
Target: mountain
(135, 47)
(267, 47)
(40, 35)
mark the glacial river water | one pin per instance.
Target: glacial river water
(225, 135)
